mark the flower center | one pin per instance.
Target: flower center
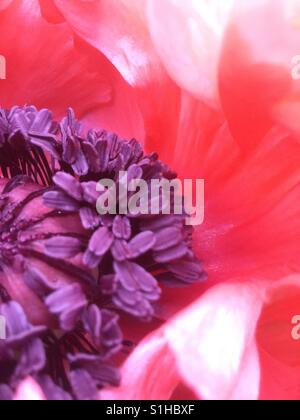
(68, 273)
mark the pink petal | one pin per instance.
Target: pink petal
(278, 381)
(29, 390)
(4, 4)
(212, 341)
(50, 11)
(263, 37)
(127, 45)
(279, 351)
(149, 373)
(205, 147)
(252, 222)
(47, 69)
(188, 36)
(119, 30)
(212, 345)
(250, 373)
(274, 332)
(252, 216)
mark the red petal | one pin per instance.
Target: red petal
(255, 67)
(252, 222)
(275, 327)
(211, 344)
(50, 12)
(119, 30)
(278, 381)
(187, 36)
(29, 390)
(46, 69)
(4, 4)
(279, 351)
(252, 214)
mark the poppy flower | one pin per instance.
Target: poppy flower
(236, 126)
(69, 273)
(221, 106)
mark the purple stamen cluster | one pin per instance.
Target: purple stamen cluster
(78, 269)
